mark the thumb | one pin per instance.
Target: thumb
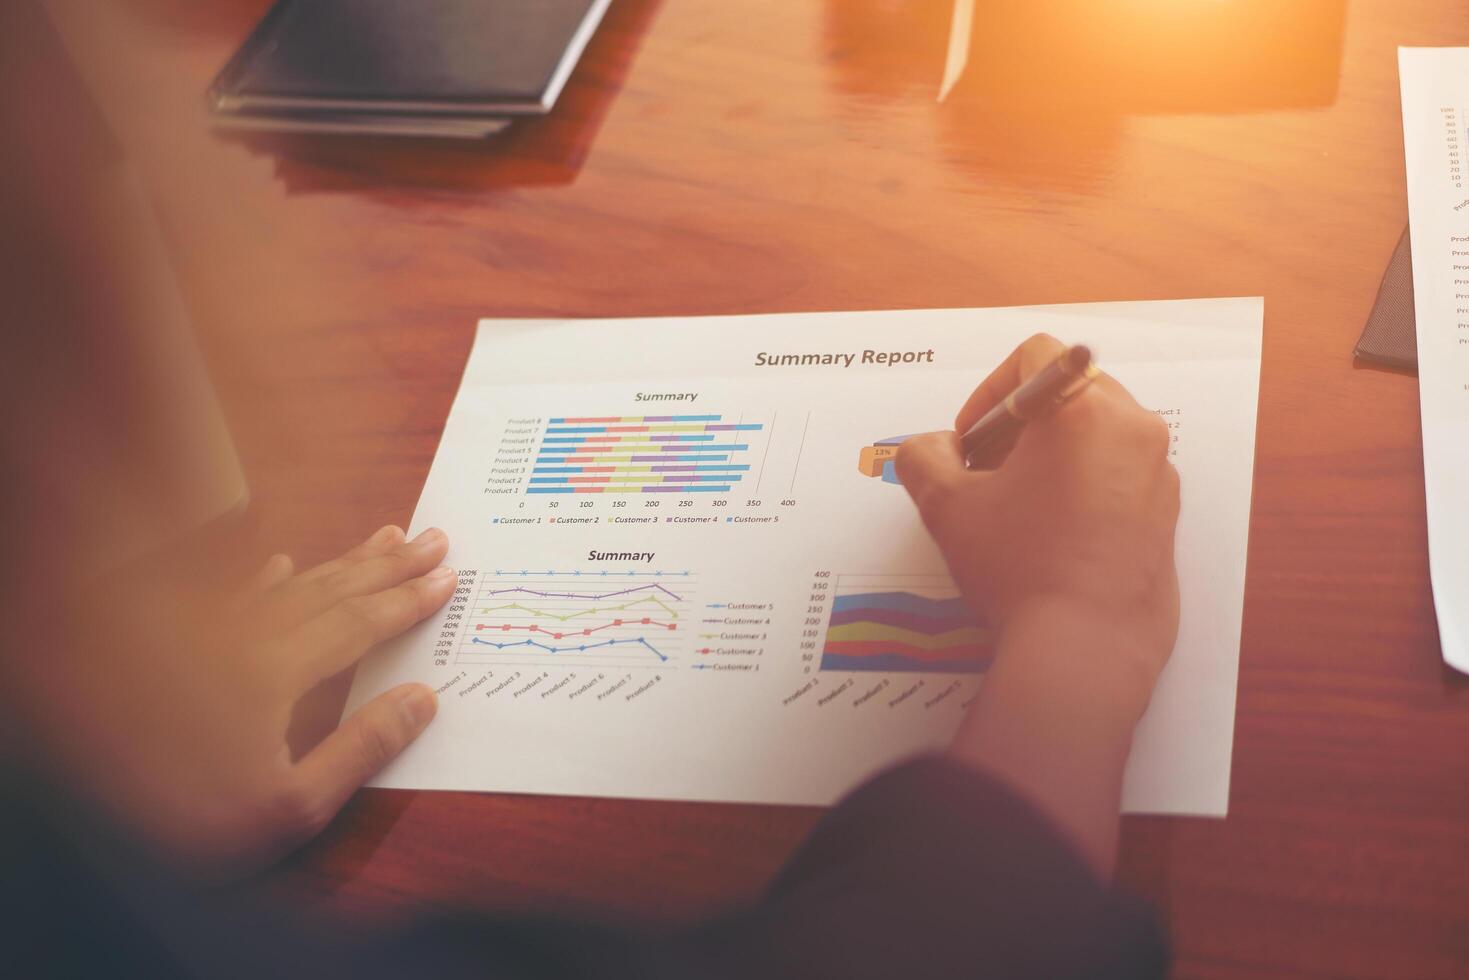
(371, 738)
(931, 468)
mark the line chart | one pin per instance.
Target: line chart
(584, 648)
(545, 613)
(603, 619)
(535, 628)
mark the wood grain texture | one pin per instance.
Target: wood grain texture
(773, 156)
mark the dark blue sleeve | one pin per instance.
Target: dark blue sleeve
(935, 870)
(929, 871)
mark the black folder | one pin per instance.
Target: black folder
(451, 60)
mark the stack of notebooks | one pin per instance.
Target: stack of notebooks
(450, 68)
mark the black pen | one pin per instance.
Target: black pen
(990, 439)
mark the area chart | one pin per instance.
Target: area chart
(903, 623)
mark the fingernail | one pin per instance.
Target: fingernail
(432, 536)
(419, 704)
(440, 573)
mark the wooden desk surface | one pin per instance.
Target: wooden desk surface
(777, 156)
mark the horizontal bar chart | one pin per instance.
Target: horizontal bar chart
(697, 488)
(642, 454)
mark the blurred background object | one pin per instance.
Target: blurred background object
(106, 393)
(541, 150)
(452, 68)
(1049, 86)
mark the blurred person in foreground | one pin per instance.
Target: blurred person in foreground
(144, 716)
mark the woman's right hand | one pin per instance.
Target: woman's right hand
(1079, 518)
(1067, 551)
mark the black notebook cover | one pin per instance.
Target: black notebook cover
(411, 56)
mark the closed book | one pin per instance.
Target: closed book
(458, 58)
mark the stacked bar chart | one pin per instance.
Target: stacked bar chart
(642, 454)
(903, 623)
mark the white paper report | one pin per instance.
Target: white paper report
(1435, 84)
(687, 571)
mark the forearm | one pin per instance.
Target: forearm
(1054, 719)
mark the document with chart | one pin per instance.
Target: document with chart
(687, 570)
(1435, 84)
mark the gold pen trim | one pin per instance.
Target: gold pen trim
(1076, 387)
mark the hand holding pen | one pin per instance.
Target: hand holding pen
(1065, 548)
(989, 440)
(1072, 499)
